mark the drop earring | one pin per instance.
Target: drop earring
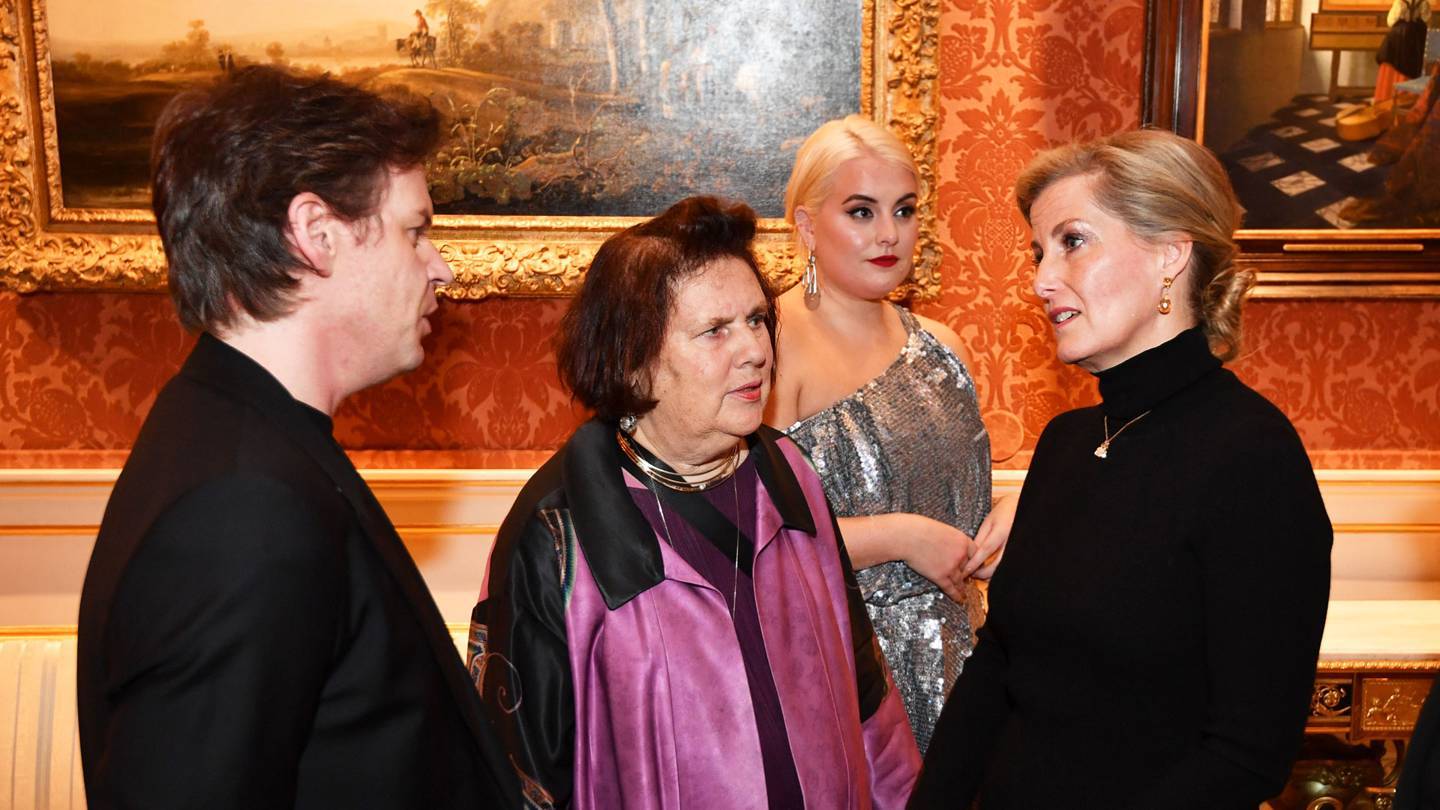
(1164, 308)
(810, 281)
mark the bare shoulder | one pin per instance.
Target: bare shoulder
(945, 335)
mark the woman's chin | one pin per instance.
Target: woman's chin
(743, 425)
(1071, 353)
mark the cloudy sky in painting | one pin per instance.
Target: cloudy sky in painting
(77, 23)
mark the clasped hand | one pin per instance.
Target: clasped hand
(947, 556)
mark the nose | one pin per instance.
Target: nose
(888, 232)
(755, 349)
(440, 272)
(1046, 280)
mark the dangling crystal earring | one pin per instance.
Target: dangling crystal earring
(627, 423)
(810, 280)
(1164, 308)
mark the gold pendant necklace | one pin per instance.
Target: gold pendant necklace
(1103, 451)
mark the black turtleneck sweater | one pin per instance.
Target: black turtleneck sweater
(1155, 622)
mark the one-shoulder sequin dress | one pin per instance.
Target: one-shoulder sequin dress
(910, 440)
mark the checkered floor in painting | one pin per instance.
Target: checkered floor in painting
(1293, 171)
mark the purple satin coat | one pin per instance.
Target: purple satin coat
(655, 727)
(612, 669)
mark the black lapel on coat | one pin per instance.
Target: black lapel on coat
(780, 481)
(619, 544)
(620, 547)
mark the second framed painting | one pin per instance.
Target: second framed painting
(1324, 114)
(564, 120)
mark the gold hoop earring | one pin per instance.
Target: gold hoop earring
(1164, 308)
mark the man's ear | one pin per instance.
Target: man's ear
(805, 226)
(313, 231)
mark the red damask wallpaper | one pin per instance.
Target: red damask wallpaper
(1360, 379)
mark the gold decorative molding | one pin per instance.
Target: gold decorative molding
(33, 254)
(1330, 700)
(9, 34)
(526, 265)
(1390, 705)
(905, 56)
(42, 632)
(47, 246)
(1372, 665)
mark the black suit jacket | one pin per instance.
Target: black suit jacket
(1419, 785)
(253, 633)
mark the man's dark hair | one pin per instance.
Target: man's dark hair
(615, 327)
(228, 159)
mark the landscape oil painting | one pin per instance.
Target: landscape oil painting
(585, 108)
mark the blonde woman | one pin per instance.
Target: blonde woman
(883, 404)
(1154, 628)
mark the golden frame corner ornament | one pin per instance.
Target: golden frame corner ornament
(46, 246)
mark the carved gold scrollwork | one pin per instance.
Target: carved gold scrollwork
(908, 86)
(46, 246)
(32, 257)
(1330, 700)
(9, 34)
(1391, 704)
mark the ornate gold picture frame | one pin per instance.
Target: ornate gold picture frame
(1189, 79)
(45, 245)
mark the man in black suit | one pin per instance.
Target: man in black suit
(1419, 785)
(253, 634)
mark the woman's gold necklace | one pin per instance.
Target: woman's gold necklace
(725, 468)
(735, 575)
(699, 482)
(1103, 450)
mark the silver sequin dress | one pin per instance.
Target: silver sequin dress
(910, 440)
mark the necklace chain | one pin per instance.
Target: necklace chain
(1103, 451)
(702, 480)
(735, 575)
(716, 474)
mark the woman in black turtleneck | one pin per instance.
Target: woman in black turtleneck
(1155, 622)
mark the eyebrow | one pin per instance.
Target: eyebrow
(867, 198)
(721, 320)
(1055, 231)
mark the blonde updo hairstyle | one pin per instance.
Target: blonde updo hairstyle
(834, 143)
(1159, 184)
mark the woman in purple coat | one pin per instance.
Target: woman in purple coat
(671, 618)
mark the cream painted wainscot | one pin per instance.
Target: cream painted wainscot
(1380, 653)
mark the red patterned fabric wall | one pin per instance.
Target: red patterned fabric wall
(1361, 380)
